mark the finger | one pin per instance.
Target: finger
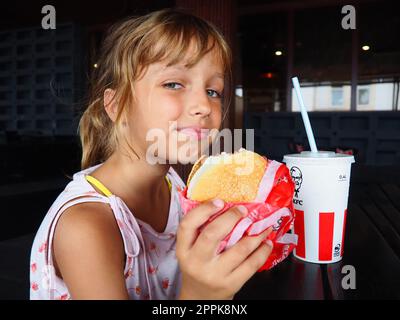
(236, 254)
(191, 222)
(250, 266)
(207, 243)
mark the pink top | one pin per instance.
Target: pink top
(151, 269)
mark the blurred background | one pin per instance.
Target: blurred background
(350, 81)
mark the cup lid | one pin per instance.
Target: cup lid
(313, 157)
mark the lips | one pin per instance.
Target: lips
(195, 132)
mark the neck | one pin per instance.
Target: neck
(132, 180)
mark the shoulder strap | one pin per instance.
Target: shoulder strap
(176, 178)
(99, 185)
(169, 183)
(107, 192)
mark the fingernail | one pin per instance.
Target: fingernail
(242, 209)
(269, 243)
(218, 203)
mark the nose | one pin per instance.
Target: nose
(200, 105)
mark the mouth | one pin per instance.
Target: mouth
(196, 133)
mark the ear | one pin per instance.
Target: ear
(110, 104)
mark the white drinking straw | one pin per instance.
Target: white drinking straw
(304, 115)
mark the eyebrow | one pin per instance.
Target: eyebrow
(183, 68)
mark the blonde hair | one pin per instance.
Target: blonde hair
(128, 49)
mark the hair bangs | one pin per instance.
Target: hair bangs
(187, 43)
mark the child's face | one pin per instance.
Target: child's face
(172, 98)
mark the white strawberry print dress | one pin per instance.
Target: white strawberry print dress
(151, 269)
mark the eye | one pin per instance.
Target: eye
(177, 85)
(172, 85)
(213, 93)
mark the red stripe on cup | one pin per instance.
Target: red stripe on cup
(326, 220)
(299, 230)
(343, 232)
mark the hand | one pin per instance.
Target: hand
(206, 274)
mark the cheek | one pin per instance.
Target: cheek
(217, 117)
(167, 108)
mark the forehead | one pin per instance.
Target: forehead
(210, 63)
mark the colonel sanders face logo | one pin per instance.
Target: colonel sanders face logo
(297, 177)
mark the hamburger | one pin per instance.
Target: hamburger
(244, 177)
(231, 177)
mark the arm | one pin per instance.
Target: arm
(89, 252)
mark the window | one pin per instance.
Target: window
(322, 59)
(379, 54)
(323, 97)
(363, 96)
(311, 43)
(337, 96)
(239, 91)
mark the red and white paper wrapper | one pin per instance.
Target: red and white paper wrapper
(276, 210)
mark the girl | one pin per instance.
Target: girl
(116, 231)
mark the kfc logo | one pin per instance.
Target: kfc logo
(297, 177)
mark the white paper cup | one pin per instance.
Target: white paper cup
(321, 194)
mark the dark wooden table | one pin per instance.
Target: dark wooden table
(372, 247)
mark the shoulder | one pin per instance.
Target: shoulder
(88, 251)
(91, 222)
